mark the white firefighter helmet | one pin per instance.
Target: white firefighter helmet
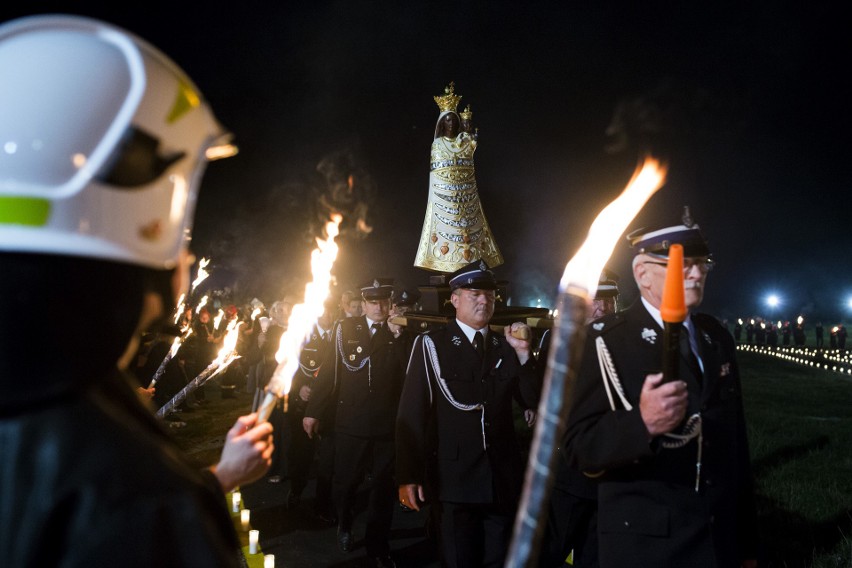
(103, 140)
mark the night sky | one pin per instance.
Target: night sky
(748, 103)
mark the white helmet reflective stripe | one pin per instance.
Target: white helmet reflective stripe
(102, 143)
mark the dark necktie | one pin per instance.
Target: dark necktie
(375, 327)
(478, 343)
(686, 349)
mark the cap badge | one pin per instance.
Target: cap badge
(649, 335)
(687, 218)
(376, 284)
(482, 266)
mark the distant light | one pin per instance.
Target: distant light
(773, 301)
(849, 302)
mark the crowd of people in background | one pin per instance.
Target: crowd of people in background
(760, 331)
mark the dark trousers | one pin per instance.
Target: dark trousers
(353, 458)
(300, 452)
(572, 524)
(325, 473)
(281, 440)
(475, 534)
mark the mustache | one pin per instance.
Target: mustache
(692, 285)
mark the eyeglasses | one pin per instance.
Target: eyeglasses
(704, 265)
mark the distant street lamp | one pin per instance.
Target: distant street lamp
(773, 301)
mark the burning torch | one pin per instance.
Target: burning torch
(673, 313)
(227, 355)
(579, 281)
(301, 321)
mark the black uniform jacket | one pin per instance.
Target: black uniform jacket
(361, 377)
(478, 456)
(310, 359)
(91, 479)
(649, 509)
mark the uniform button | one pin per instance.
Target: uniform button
(709, 482)
(488, 424)
(627, 524)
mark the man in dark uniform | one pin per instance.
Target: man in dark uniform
(362, 377)
(573, 515)
(670, 457)
(457, 406)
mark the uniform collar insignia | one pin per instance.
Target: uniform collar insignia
(649, 335)
(598, 326)
(494, 341)
(456, 340)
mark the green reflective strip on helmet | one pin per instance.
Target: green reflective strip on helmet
(24, 211)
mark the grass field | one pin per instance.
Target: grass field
(800, 431)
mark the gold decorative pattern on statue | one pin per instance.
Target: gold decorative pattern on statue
(466, 114)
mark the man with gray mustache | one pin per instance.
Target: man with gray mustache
(670, 457)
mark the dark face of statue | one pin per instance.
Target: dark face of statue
(466, 126)
(450, 125)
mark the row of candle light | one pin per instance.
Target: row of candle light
(254, 535)
(801, 355)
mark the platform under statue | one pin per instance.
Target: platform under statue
(455, 232)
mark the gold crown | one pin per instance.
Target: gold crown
(449, 100)
(466, 114)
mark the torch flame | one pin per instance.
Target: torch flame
(584, 269)
(303, 316)
(217, 321)
(229, 343)
(179, 308)
(255, 313)
(799, 320)
(175, 346)
(202, 273)
(201, 304)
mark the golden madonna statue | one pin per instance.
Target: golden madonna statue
(455, 232)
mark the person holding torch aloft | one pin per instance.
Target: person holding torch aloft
(669, 454)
